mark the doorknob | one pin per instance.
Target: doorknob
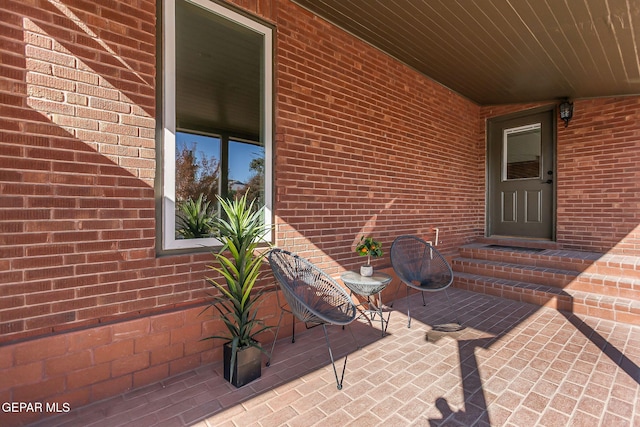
(549, 181)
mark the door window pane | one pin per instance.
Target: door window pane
(521, 153)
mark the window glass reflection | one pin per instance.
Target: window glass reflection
(246, 171)
(521, 154)
(197, 184)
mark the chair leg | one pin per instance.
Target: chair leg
(449, 327)
(275, 338)
(460, 327)
(335, 372)
(451, 306)
(395, 296)
(408, 309)
(354, 337)
(293, 324)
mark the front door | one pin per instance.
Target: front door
(520, 175)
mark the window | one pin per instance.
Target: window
(521, 153)
(216, 114)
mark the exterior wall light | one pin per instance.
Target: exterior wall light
(566, 111)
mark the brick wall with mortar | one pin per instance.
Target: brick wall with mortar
(599, 177)
(364, 145)
(367, 146)
(84, 366)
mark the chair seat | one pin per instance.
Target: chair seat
(435, 283)
(320, 301)
(322, 312)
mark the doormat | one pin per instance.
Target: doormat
(515, 248)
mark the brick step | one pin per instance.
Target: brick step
(552, 258)
(516, 242)
(602, 306)
(515, 272)
(591, 262)
(616, 265)
(614, 286)
(542, 295)
(620, 309)
(602, 285)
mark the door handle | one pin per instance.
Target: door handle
(549, 181)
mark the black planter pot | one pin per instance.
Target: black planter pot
(248, 366)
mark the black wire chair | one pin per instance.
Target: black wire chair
(313, 297)
(420, 266)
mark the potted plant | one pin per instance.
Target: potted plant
(371, 248)
(240, 230)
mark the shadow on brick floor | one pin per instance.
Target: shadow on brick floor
(514, 364)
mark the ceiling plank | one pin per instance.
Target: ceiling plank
(503, 51)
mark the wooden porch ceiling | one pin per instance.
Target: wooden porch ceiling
(504, 51)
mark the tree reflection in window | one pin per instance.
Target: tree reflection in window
(246, 171)
(197, 184)
(200, 162)
(197, 166)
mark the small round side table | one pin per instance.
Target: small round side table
(368, 287)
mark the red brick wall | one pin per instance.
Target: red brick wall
(599, 200)
(77, 163)
(85, 366)
(367, 146)
(363, 145)
(598, 175)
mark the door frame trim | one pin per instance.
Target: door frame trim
(491, 127)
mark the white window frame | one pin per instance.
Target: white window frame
(169, 241)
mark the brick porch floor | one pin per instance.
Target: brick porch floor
(514, 365)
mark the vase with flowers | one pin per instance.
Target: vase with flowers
(370, 248)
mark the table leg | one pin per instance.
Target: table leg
(361, 309)
(375, 308)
